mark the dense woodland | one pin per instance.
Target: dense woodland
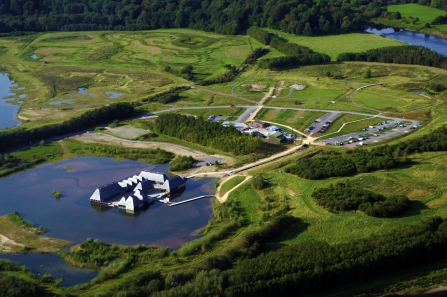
(22, 136)
(407, 54)
(211, 134)
(344, 196)
(303, 17)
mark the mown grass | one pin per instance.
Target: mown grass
(230, 184)
(333, 45)
(296, 119)
(359, 122)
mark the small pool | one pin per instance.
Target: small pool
(419, 91)
(83, 91)
(54, 265)
(34, 57)
(113, 94)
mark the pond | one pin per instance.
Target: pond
(83, 91)
(73, 218)
(8, 111)
(435, 43)
(113, 94)
(54, 265)
(419, 91)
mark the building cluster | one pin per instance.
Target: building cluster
(134, 190)
(272, 134)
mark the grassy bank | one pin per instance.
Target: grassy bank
(20, 235)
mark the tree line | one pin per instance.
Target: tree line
(407, 54)
(343, 196)
(206, 133)
(302, 17)
(22, 136)
(336, 164)
(359, 160)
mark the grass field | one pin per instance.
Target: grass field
(298, 120)
(409, 12)
(333, 45)
(425, 14)
(386, 98)
(53, 66)
(359, 122)
(230, 184)
(424, 187)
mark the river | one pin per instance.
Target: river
(435, 43)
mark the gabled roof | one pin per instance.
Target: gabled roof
(140, 195)
(173, 183)
(106, 192)
(156, 177)
(144, 186)
(133, 202)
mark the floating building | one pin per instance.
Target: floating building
(140, 185)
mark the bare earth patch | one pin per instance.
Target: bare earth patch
(258, 86)
(175, 149)
(127, 131)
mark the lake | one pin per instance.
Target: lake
(73, 218)
(8, 111)
(435, 43)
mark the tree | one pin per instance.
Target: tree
(42, 142)
(368, 72)
(257, 182)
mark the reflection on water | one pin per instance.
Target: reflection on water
(8, 112)
(73, 218)
(435, 43)
(83, 91)
(54, 265)
(113, 94)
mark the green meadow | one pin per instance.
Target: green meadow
(333, 45)
(296, 119)
(425, 14)
(409, 13)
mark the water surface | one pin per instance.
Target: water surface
(435, 43)
(8, 112)
(113, 94)
(54, 265)
(83, 91)
(73, 218)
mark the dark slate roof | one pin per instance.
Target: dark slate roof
(106, 192)
(155, 177)
(144, 186)
(174, 183)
